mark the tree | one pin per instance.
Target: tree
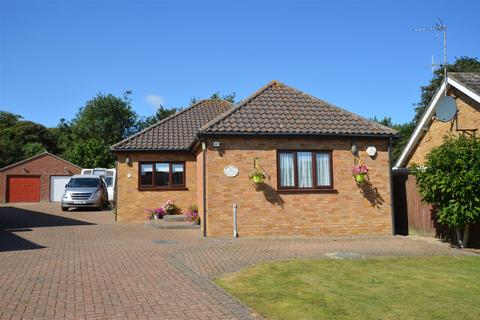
(103, 121)
(90, 153)
(230, 97)
(405, 130)
(450, 180)
(33, 148)
(161, 114)
(106, 118)
(462, 64)
(20, 139)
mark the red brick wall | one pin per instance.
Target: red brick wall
(132, 202)
(261, 212)
(43, 166)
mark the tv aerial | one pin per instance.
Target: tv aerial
(447, 107)
(439, 27)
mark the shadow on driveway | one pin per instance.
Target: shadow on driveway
(16, 220)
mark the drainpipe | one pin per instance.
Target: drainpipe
(204, 195)
(115, 190)
(391, 184)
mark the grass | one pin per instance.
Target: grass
(387, 288)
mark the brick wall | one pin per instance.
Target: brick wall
(265, 211)
(132, 202)
(44, 166)
(468, 118)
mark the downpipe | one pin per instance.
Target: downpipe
(235, 229)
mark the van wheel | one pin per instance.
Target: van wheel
(64, 209)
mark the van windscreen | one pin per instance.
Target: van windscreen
(83, 182)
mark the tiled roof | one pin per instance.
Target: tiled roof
(471, 80)
(280, 109)
(177, 132)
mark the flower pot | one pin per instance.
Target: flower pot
(360, 177)
(257, 179)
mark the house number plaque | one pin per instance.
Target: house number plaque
(230, 171)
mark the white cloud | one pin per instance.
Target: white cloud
(154, 99)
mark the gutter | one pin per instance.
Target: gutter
(115, 199)
(313, 135)
(204, 189)
(390, 177)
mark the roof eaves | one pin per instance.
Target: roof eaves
(150, 150)
(427, 116)
(292, 134)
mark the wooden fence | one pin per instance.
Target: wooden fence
(414, 217)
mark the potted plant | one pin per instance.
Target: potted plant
(192, 215)
(257, 176)
(155, 214)
(169, 207)
(360, 171)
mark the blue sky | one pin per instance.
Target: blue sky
(361, 55)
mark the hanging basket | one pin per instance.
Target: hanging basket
(257, 179)
(360, 177)
(257, 176)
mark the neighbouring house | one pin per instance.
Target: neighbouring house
(305, 146)
(412, 214)
(39, 178)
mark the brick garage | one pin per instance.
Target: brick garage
(29, 180)
(316, 195)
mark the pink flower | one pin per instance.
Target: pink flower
(360, 169)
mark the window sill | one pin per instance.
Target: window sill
(307, 190)
(163, 189)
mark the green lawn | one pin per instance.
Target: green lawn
(388, 288)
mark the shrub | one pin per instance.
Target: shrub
(450, 180)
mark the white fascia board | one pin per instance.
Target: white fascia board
(464, 89)
(417, 133)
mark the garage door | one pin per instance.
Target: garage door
(23, 189)
(57, 187)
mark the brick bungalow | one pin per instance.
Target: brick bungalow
(303, 144)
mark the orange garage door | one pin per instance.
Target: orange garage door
(23, 189)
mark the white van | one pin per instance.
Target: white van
(109, 175)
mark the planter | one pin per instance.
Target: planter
(257, 179)
(360, 177)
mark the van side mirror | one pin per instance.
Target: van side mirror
(66, 185)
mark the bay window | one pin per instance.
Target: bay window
(304, 169)
(162, 174)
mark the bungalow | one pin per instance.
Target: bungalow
(306, 147)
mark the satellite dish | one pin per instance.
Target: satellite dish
(446, 109)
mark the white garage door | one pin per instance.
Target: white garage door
(57, 187)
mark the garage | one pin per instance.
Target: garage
(39, 178)
(57, 187)
(23, 189)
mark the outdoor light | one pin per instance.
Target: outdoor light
(354, 148)
(127, 160)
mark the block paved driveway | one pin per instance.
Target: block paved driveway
(83, 265)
